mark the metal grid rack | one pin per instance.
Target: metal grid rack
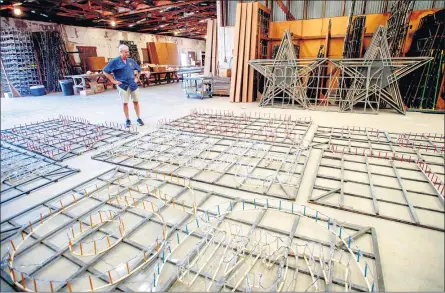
(404, 147)
(254, 126)
(429, 40)
(82, 273)
(23, 172)
(398, 25)
(54, 62)
(65, 137)
(396, 191)
(354, 38)
(241, 164)
(19, 61)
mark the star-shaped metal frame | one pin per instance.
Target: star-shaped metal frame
(377, 74)
(370, 79)
(284, 74)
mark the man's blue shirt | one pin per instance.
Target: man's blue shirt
(123, 72)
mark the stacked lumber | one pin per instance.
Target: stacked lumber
(211, 57)
(221, 86)
(163, 53)
(246, 46)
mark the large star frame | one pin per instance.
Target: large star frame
(347, 84)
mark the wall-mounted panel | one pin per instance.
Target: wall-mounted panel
(314, 9)
(296, 8)
(334, 8)
(231, 13)
(278, 13)
(374, 7)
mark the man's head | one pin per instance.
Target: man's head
(124, 51)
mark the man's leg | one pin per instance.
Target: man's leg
(125, 96)
(126, 111)
(136, 109)
(135, 97)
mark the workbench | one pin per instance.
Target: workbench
(159, 77)
(81, 80)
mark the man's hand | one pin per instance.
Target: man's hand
(116, 82)
(136, 80)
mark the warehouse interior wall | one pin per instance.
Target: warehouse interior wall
(311, 33)
(105, 40)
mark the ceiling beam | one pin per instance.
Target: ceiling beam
(172, 25)
(172, 14)
(137, 11)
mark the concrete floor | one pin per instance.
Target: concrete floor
(412, 257)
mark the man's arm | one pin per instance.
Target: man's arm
(138, 73)
(111, 78)
(107, 72)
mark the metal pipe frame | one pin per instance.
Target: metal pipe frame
(402, 147)
(373, 182)
(24, 172)
(115, 178)
(264, 127)
(148, 153)
(65, 137)
(250, 253)
(81, 194)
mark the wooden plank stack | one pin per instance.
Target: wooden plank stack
(163, 53)
(221, 86)
(246, 47)
(211, 57)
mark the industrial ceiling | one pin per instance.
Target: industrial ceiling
(175, 18)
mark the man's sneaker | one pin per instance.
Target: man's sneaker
(139, 121)
(128, 123)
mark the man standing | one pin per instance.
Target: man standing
(123, 69)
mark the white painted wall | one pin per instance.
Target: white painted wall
(106, 40)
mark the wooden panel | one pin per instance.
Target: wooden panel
(145, 58)
(247, 49)
(235, 52)
(152, 53)
(173, 56)
(239, 72)
(161, 51)
(96, 63)
(84, 53)
(253, 49)
(209, 39)
(214, 49)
